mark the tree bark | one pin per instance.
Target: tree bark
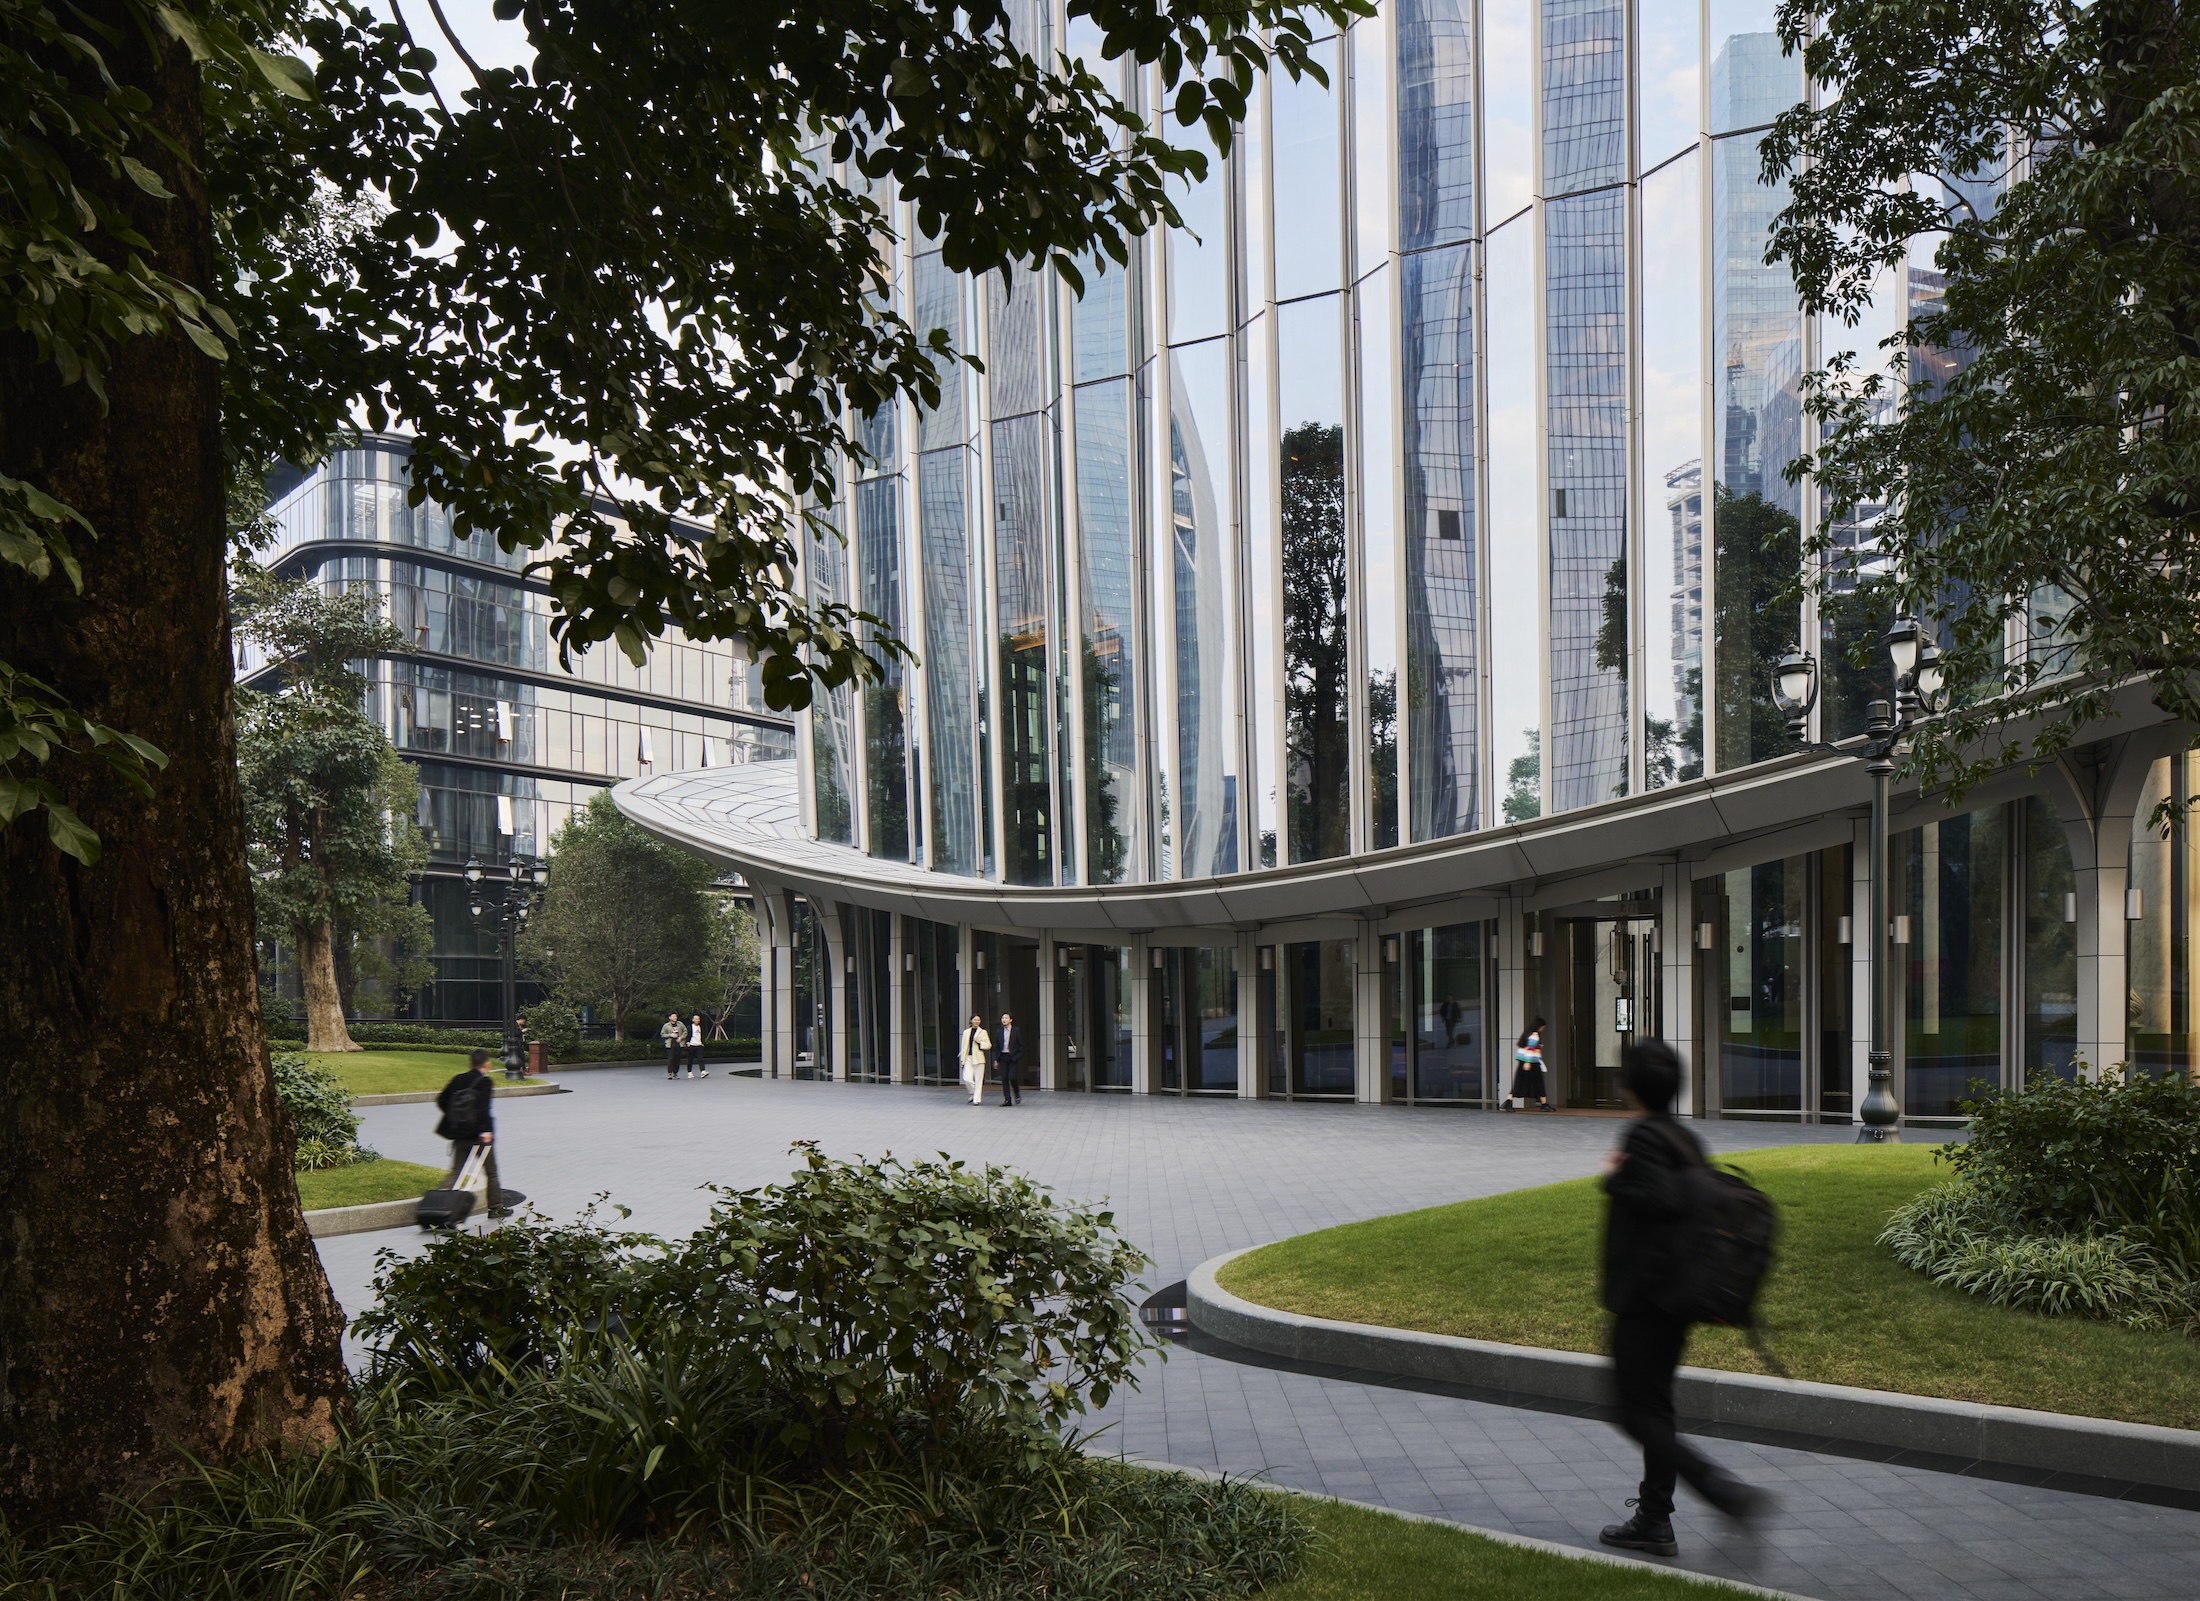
(325, 1027)
(159, 1294)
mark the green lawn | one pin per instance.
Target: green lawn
(395, 1072)
(366, 1182)
(1522, 1268)
(1368, 1556)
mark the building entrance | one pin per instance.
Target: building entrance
(1608, 994)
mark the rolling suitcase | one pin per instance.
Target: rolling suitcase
(447, 1209)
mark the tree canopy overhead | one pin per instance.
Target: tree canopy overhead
(607, 293)
(2035, 437)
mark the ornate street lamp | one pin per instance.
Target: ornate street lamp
(1918, 680)
(518, 885)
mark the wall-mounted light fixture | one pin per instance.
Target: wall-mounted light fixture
(1843, 930)
(1901, 931)
(1268, 958)
(2135, 904)
(2070, 906)
(1707, 937)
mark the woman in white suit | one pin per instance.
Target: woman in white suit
(974, 1053)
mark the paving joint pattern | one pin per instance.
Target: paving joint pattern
(1188, 1180)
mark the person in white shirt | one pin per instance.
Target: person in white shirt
(695, 1047)
(975, 1052)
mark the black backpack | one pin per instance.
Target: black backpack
(1725, 1247)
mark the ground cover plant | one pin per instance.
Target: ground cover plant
(2073, 1198)
(861, 1382)
(366, 1183)
(319, 1103)
(1522, 1268)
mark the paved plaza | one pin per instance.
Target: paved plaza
(1188, 1180)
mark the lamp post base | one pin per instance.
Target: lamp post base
(1880, 1117)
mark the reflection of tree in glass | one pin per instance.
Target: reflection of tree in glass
(1317, 728)
(887, 771)
(1524, 781)
(1382, 729)
(1757, 578)
(1104, 844)
(1671, 754)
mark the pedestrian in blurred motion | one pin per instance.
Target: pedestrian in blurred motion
(1653, 1280)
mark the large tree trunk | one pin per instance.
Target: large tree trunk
(325, 1030)
(159, 1294)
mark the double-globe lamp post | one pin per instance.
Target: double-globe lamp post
(517, 885)
(1917, 690)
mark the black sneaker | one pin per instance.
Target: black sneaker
(1642, 1532)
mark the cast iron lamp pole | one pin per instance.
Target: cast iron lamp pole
(1917, 678)
(518, 885)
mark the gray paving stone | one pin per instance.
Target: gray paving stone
(1188, 1180)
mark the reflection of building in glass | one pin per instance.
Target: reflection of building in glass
(1365, 509)
(506, 740)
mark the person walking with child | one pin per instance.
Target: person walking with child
(1530, 1082)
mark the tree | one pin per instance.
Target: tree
(2033, 431)
(1524, 781)
(733, 963)
(625, 918)
(609, 291)
(328, 803)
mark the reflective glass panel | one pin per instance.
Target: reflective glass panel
(1100, 324)
(1202, 599)
(1757, 986)
(1584, 94)
(1264, 606)
(885, 703)
(1199, 300)
(1751, 81)
(1949, 883)
(1020, 541)
(950, 693)
(1586, 247)
(1672, 78)
(1316, 637)
(1516, 575)
(1508, 108)
(1442, 545)
(1757, 423)
(832, 713)
(1198, 1032)
(1435, 122)
(2050, 945)
(1672, 426)
(1315, 1017)
(1836, 988)
(1108, 579)
(1016, 364)
(1378, 452)
(2164, 954)
(1309, 194)
(1371, 145)
(1448, 1015)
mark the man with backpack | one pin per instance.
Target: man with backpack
(1683, 1244)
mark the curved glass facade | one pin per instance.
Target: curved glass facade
(507, 739)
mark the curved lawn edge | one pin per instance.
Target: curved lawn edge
(2144, 1453)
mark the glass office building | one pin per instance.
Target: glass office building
(1345, 635)
(506, 740)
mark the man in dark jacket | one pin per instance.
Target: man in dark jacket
(1008, 1060)
(467, 1122)
(1646, 1180)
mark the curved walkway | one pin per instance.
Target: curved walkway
(1190, 1180)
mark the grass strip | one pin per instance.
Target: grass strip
(1364, 1555)
(398, 1072)
(1522, 1268)
(364, 1183)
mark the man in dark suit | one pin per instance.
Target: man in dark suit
(467, 1121)
(1008, 1060)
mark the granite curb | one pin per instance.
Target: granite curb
(2142, 1453)
(331, 1220)
(1526, 1542)
(422, 1097)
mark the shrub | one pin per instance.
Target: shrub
(555, 1023)
(2115, 1153)
(1956, 1236)
(317, 1155)
(318, 1101)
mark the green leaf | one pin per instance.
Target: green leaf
(69, 835)
(204, 338)
(288, 74)
(146, 178)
